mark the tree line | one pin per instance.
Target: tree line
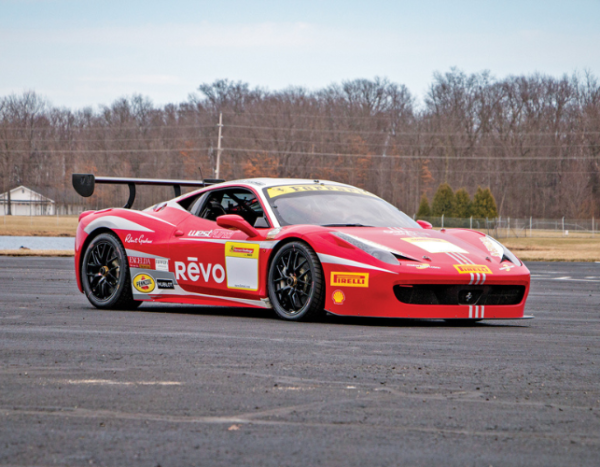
(534, 141)
(459, 204)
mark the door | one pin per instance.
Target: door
(210, 260)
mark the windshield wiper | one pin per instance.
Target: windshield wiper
(346, 225)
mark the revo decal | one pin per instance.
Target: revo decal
(194, 270)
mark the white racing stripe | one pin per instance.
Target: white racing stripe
(178, 290)
(141, 254)
(348, 262)
(114, 222)
(462, 259)
(152, 217)
(266, 245)
(455, 258)
(467, 260)
(479, 311)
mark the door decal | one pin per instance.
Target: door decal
(241, 263)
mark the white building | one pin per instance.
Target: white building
(26, 202)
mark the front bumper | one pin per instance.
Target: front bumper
(370, 293)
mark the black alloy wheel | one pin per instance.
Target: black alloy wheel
(105, 274)
(296, 286)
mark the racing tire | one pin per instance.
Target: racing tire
(295, 283)
(105, 274)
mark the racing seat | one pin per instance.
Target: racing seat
(213, 210)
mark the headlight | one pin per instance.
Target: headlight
(376, 250)
(497, 249)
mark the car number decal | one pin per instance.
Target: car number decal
(241, 263)
(435, 245)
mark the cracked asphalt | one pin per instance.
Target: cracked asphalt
(181, 385)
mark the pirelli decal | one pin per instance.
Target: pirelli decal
(472, 269)
(350, 279)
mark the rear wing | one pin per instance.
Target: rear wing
(84, 184)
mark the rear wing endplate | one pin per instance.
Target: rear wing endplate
(84, 184)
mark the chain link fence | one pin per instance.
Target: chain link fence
(501, 227)
(506, 227)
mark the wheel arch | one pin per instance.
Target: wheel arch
(122, 301)
(299, 239)
(88, 240)
(280, 245)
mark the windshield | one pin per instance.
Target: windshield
(335, 206)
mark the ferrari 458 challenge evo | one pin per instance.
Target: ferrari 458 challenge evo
(301, 247)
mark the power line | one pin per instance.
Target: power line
(99, 151)
(318, 143)
(316, 130)
(301, 153)
(358, 169)
(406, 156)
(115, 127)
(395, 132)
(270, 140)
(329, 117)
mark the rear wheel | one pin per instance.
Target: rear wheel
(296, 287)
(105, 274)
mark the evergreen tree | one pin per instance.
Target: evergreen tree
(484, 204)
(424, 209)
(443, 201)
(462, 204)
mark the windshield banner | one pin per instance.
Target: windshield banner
(286, 190)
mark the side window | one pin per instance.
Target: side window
(233, 201)
(191, 202)
(197, 204)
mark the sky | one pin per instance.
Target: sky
(79, 53)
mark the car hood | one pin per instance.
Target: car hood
(447, 246)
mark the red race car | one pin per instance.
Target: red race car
(301, 247)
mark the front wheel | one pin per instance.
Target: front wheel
(105, 274)
(296, 286)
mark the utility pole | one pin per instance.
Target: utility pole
(219, 145)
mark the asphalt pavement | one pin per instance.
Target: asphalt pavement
(181, 385)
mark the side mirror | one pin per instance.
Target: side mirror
(425, 225)
(233, 221)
